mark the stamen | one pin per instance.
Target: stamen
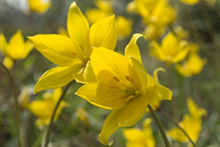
(114, 87)
(81, 48)
(116, 78)
(74, 53)
(111, 94)
(129, 79)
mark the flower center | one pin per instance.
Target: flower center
(128, 90)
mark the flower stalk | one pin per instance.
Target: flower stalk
(159, 125)
(175, 123)
(17, 110)
(47, 137)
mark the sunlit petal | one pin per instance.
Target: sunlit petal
(89, 74)
(88, 92)
(78, 28)
(157, 92)
(109, 127)
(132, 49)
(56, 48)
(107, 35)
(133, 111)
(55, 78)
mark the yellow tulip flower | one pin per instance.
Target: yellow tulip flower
(15, 49)
(140, 138)
(171, 50)
(123, 86)
(44, 108)
(72, 54)
(104, 8)
(39, 6)
(157, 14)
(192, 66)
(191, 123)
(124, 27)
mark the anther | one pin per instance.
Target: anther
(81, 48)
(116, 78)
(129, 79)
(74, 53)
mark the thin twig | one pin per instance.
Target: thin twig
(176, 123)
(52, 117)
(159, 125)
(17, 110)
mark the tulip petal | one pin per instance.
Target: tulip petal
(55, 78)
(141, 72)
(8, 62)
(180, 55)
(133, 112)
(157, 92)
(88, 92)
(56, 48)
(107, 33)
(105, 59)
(89, 74)
(110, 126)
(3, 43)
(78, 28)
(132, 49)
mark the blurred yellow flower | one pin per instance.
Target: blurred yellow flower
(191, 123)
(15, 49)
(63, 31)
(157, 14)
(44, 108)
(122, 86)
(124, 27)
(140, 138)
(192, 66)
(104, 8)
(24, 97)
(180, 32)
(39, 6)
(172, 50)
(83, 117)
(73, 53)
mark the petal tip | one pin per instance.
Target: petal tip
(73, 5)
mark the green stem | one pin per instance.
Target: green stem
(17, 110)
(159, 125)
(46, 139)
(174, 122)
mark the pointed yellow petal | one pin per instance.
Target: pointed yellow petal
(180, 55)
(89, 74)
(156, 74)
(141, 72)
(88, 92)
(109, 127)
(78, 28)
(107, 33)
(105, 59)
(8, 62)
(132, 49)
(157, 92)
(194, 109)
(56, 48)
(133, 112)
(55, 78)
(16, 46)
(3, 43)
(134, 135)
